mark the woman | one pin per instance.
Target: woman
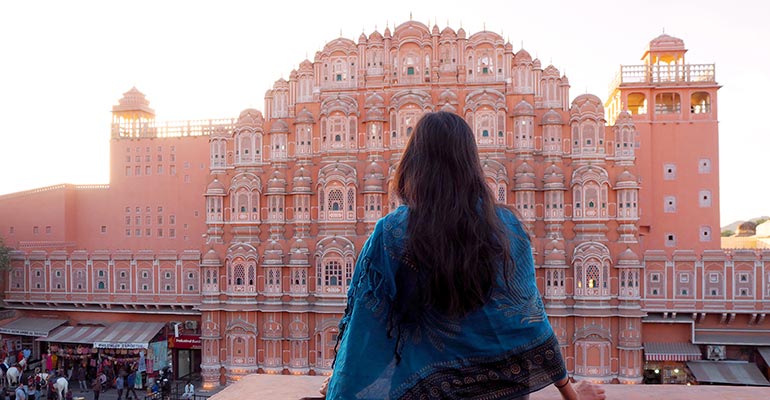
(443, 302)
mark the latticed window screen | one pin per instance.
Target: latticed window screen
(335, 200)
(592, 276)
(351, 199)
(333, 273)
(239, 272)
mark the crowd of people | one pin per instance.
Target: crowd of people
(128, 383)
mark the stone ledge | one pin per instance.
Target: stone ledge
(295, 387)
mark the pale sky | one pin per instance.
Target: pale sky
(64, 64)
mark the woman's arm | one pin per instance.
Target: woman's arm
(582, 390)
(566, 389)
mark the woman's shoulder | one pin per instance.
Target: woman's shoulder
(507, 216)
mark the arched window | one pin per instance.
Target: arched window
(637, 104)
(668, 103)
(485, 124)
(700, 103)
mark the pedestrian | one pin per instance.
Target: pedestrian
(80, 375)
(119, 386)
(130, 382)
(31, 389)
(189, 390)
(20, 393)
(97, 388)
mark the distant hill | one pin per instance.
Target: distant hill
(734, 226)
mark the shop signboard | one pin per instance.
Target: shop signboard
(185, 342)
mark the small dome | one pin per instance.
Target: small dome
(448, 32)
(133, 96)
(564, 80)
(298, 255)
(374, 179)
(374, 114)
(626, 179)
(279, 126)
(215, 188)
(133, 100)
(624, 118)
(628, 257)
(523, 108)
(522, 57)
(554, 253)
(374, 100)
(305, 65)
(304, 117)
(550, 71)
(508, 47)
(277, 182)
(211, 258)
(362, 38)
(301, 181)
(525, 176)
(447, 96)
(666, 42)
(375, 37)
(551, 117)
(587, 104)
(250, 118)
(536, 63)
(273, 253)
(387, 34)
(553, 175)
(435, 30)
(525, 168)
(461, 33)
(747, 228)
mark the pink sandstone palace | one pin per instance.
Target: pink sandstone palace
(242, 234)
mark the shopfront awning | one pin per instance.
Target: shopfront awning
(128, 335)
(31, 326)
(677, 351)
(74, 334)
(765, 353)
(761, 338)
(730, 372)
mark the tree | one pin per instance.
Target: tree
(727, 233)
(759, 221)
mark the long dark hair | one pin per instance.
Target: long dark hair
(455, 243)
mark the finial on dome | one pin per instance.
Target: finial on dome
(410, 15)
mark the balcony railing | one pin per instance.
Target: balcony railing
(136, 129)
(662, 74)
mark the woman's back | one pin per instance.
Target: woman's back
(505, 347)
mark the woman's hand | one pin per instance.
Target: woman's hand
(325, 385)
(588, 391)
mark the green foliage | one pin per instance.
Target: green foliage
(727, 233)
(5, 256)
(760, 220)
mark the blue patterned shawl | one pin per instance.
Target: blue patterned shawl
(504, 350)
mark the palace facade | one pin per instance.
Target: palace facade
(246, 230)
